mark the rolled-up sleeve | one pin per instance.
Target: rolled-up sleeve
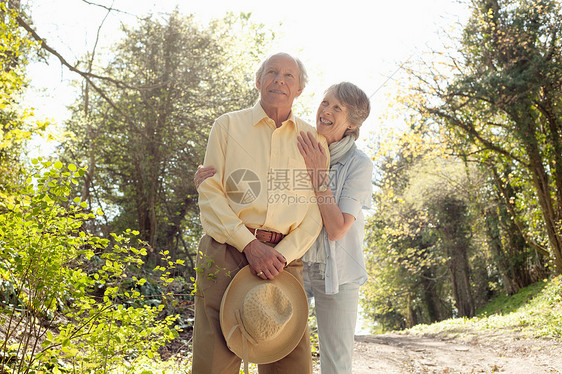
(358, 188)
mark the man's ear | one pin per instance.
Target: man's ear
(298, 93)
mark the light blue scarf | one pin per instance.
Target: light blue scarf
(340, 148)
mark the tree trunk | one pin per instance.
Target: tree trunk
(542, 185)
(456, 242)
(431, 298)
(498, 254)
(411, 318)
(551, 222)
(460, 279)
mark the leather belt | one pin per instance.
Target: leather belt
(266, 236)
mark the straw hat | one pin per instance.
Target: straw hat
(263, 320)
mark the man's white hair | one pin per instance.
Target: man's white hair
(303, 75)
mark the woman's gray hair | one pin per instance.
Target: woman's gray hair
(303, 75)
(357, 104)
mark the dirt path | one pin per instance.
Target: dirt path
(476, 352)
(479, 353)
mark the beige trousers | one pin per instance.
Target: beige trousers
(217, 264)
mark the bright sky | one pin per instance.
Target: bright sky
(360, 41)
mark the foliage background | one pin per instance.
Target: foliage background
(102, 234)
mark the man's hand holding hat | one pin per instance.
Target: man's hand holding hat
(265, 261)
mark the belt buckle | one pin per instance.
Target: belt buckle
(257, 230)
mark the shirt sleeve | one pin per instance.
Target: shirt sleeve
(357, 187)
(217, 217)
(298, 241)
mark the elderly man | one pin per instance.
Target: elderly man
(258, 209)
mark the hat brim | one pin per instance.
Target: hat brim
(283, 344)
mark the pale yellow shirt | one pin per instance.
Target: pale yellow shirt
(261, 182)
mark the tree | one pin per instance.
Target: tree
(170, 80)
(408, 283)
(66, 297)
(478, 168)
(504, 96)
(424, 242)
(513, 256)
(15, 48)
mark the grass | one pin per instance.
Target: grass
(503, 304)
(535, 311)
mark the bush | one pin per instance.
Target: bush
(59, 308)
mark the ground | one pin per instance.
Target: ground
(496, 351)
(505, 352)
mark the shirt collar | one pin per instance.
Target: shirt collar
(259, 116)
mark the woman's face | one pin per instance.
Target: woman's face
(331, 118)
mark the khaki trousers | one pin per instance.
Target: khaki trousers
(217, 264)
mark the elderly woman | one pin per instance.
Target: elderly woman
(334, 267)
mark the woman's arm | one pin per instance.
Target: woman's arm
(337, 223)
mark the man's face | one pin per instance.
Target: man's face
(279, 83)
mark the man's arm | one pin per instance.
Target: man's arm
(217, 217)
(220, 221)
